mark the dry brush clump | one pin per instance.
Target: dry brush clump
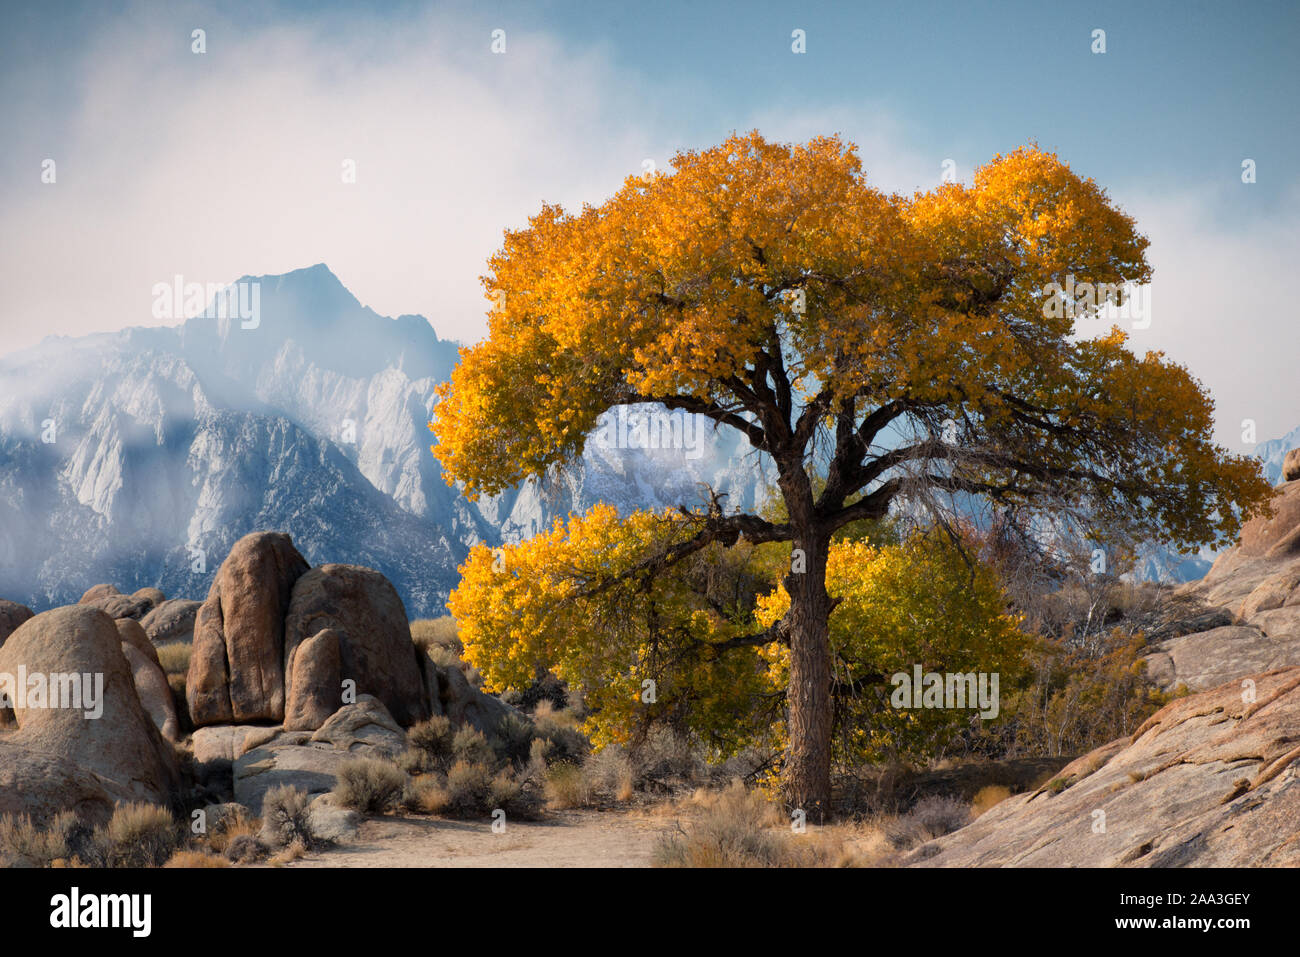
(369, 785)
(233, 825)
(463, 773)
(286, 819)
(137, 835)
(740, 827)
(929, 818)
(25, 844)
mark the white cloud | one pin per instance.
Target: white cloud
(1223, 304)
(229, 163)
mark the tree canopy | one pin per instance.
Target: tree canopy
(901, 346)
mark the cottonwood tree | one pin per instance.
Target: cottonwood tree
(901, 346)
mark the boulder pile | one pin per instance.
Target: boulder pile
(292, 671)
(1253, 591)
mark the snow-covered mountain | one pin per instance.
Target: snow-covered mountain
(139, 457)
(1272, 453)
(1160, 563)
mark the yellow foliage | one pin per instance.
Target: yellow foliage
(548, 604)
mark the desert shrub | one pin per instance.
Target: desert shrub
(175, 657)
(929, 818)
(434, 737)
(414, 762)
(245, 849)
(736, 828)
(196, 858)
(291, 852)
(610, 772)
(369, 785)
(566, 786)
(25, 844)
(561, 733)
(511, 795)
(427, 794)
(664, 757)
(471, 789)
(137, 835)
(232, 822)
(470, 746)
(286, 817)
(747, 765)
(468, 788)
(1082, 694)
(22, 843)
(940, 815)
(512, 740)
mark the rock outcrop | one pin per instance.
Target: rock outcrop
(313, 677)
(171, 620)
(1211, 780)
(463, 704)
(120, 606)
(1291, 466)
(348, 623)
(40, 784)
(12, 615)
(96, 592)
(149, 597)
(76, 654)
(311, 760)
(151, 685)
(236, 672)
(1254, 588)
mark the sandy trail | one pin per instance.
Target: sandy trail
(564, 839)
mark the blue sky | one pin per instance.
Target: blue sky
(227, 163)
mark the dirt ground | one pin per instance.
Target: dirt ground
(565, 839)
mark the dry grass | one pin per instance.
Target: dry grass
(293, 851)
(737, 827)
(440, 632)
(987, 797)
(196, 858)
(732, 828)
(175, 657)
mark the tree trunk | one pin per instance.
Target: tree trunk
(808, 756)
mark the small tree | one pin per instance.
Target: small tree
(905, 347)
(676, 647)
